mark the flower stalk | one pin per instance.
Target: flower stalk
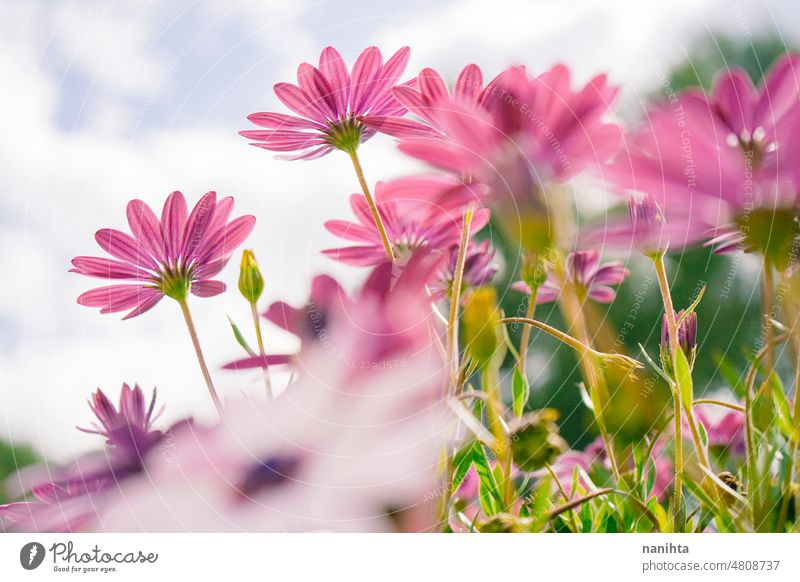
(187, 316)
(373, 208)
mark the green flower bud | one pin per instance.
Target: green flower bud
(535, 440)
(251, 283)
(480, 322)
(506, 523)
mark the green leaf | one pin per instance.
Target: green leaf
(683, 375)
(521, 391)
(763, 407)
(488, 491)
(462, 461)
(655, 366)
(693, 306)
(240, 338)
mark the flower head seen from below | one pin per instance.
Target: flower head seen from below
(531, 130)
(174, 256)
(333, 106)
(417, 212)
(724, 164)
(479, 268)
(584, 270)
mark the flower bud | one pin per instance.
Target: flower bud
(480, 322)
(251, 283)
(687, 337)
(506, 523)
(535, 440)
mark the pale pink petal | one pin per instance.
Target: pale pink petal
(365, 76)
(282, 121)
(298, 101)
(334, 68)
(198, 222)
(173, 220)
(351, 231)
(315, 85)
(146, 228)
(469, 82)
(123, 246)
(207, 288)
(107, 268)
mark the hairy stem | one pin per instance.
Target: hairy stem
(494, 407)
(455, 299)
(376, 216)
(187, 316)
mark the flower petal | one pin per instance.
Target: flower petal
(146, 228)
(365, 76)
(207, 288)
(173, 221)
(334, 68)
(107, 268)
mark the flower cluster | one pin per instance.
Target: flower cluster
(408, 406)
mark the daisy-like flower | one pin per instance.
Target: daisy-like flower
(416, 212)
(427, 98)
(70, 499)
(174, 256)
(479, 268)
(539, 122)
(727, 160)
(333, 106)
(585, 271)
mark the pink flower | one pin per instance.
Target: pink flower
(725, 429)
(479, 268)
(343, 449)
(333, 106)
(417, 212)
(585, 271)
(178, 254)
(71, 498)
(427, 98)
(516, 133)
(709, 159)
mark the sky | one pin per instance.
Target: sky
(103, 101)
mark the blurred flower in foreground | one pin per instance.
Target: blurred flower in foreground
(174, 256)
(585, 271)
(417, 212)
(73, 497)
(353, 443)
(334, 106)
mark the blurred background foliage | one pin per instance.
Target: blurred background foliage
(728, 316)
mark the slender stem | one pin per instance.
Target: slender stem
(455, 298)
(261, 352)
(767, 299)
(187, 316)
(570, 305)
(672, 329)
(525, 338)
(502, 444)
(376, 216)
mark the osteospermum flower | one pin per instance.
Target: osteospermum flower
(585, 271)
(479, 268)
(71, 498)
(727, 160)
(174, 256)
(333, 106)
(416, 212)
(547, 130)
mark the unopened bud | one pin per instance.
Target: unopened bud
(535, 441)
(687, 337)
(251, 283)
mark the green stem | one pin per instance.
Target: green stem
(455, 298)
(494, 418)
(187, 316)
(376, 216)
(262, 353)
(525, 338)
(767, 298)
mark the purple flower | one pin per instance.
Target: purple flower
(334, 107)
(173, 256)
(585, 271)
(479, 268)
(71, 500)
